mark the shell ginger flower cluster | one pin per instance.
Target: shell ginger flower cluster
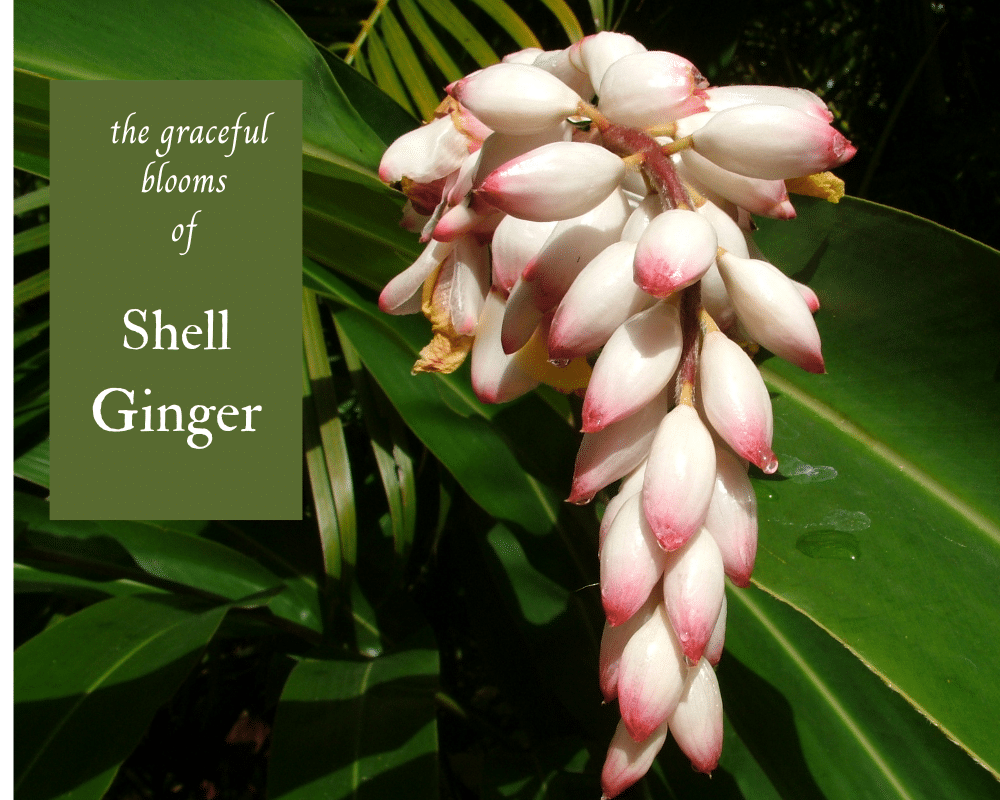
(586, 214)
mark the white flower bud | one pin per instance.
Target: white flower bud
(651, 676)
(561, 64)
(628, 760)
(635, 365)
(651, 88)
(720, 98)
(599, 300)
(732, 517)
(516, 242)
(425, 154)
(693, 587)
(631, 563)
(696, 725)
(496, 378)
(607, 455)
(597, 52)
(554, 182)
(767, 198)
(516, 98)
(772, 310)
(736, 401)
(674, 251)
(679, 478)
(771, 142)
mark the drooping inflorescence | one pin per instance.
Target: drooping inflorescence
(606, 250)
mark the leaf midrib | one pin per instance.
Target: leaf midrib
(824, 691)
(903, 465)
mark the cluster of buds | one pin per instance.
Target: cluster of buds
(604, 247)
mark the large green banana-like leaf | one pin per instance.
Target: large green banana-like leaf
(87, 688)
(884, 522)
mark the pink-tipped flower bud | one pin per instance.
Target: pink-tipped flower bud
(562, 65)
(736, 401)
(402, 295)
(732, 517)
(631, 484)
(631, 563)
(628, 760)
(651, 676)
(600, 299)
(635, 365)
(425, 154)
(717, 641)
(525, 56)
(674, 251)
(696, 725)
(679, 478)
(772, 310)
(607, 455)
(521, 316)
(693, 587)
(719, 98)
(771, 142)
(496, 378)
(812, 300)
(650, 207)
(595, 53)
(767, 198)
(653, 88)
(613, 641)
(516, 98)
(572, 245)
(516, 243)
(554, 182)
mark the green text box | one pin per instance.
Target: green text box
(200, 222)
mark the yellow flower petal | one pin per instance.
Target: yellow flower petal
(822, 184)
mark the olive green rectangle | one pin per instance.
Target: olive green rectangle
(176, 281)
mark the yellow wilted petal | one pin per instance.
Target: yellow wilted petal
(447, 349)
(533, 358)
(443, 354)
(822, 184)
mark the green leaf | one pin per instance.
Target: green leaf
(190, 40)
(33, 579)
(508, 19)
(820, 724)
(358, 729)
(339, 545)
(162, 550)
(33, 464)
(390, 447)
(35, 286)
(883, 525)
(566, 18)
(28, 240)
(544, 553)
(355, 229)
(452, 20)
(86, 689)
(31, 201)
(412, 72)
(437, 52)
(385, 72)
